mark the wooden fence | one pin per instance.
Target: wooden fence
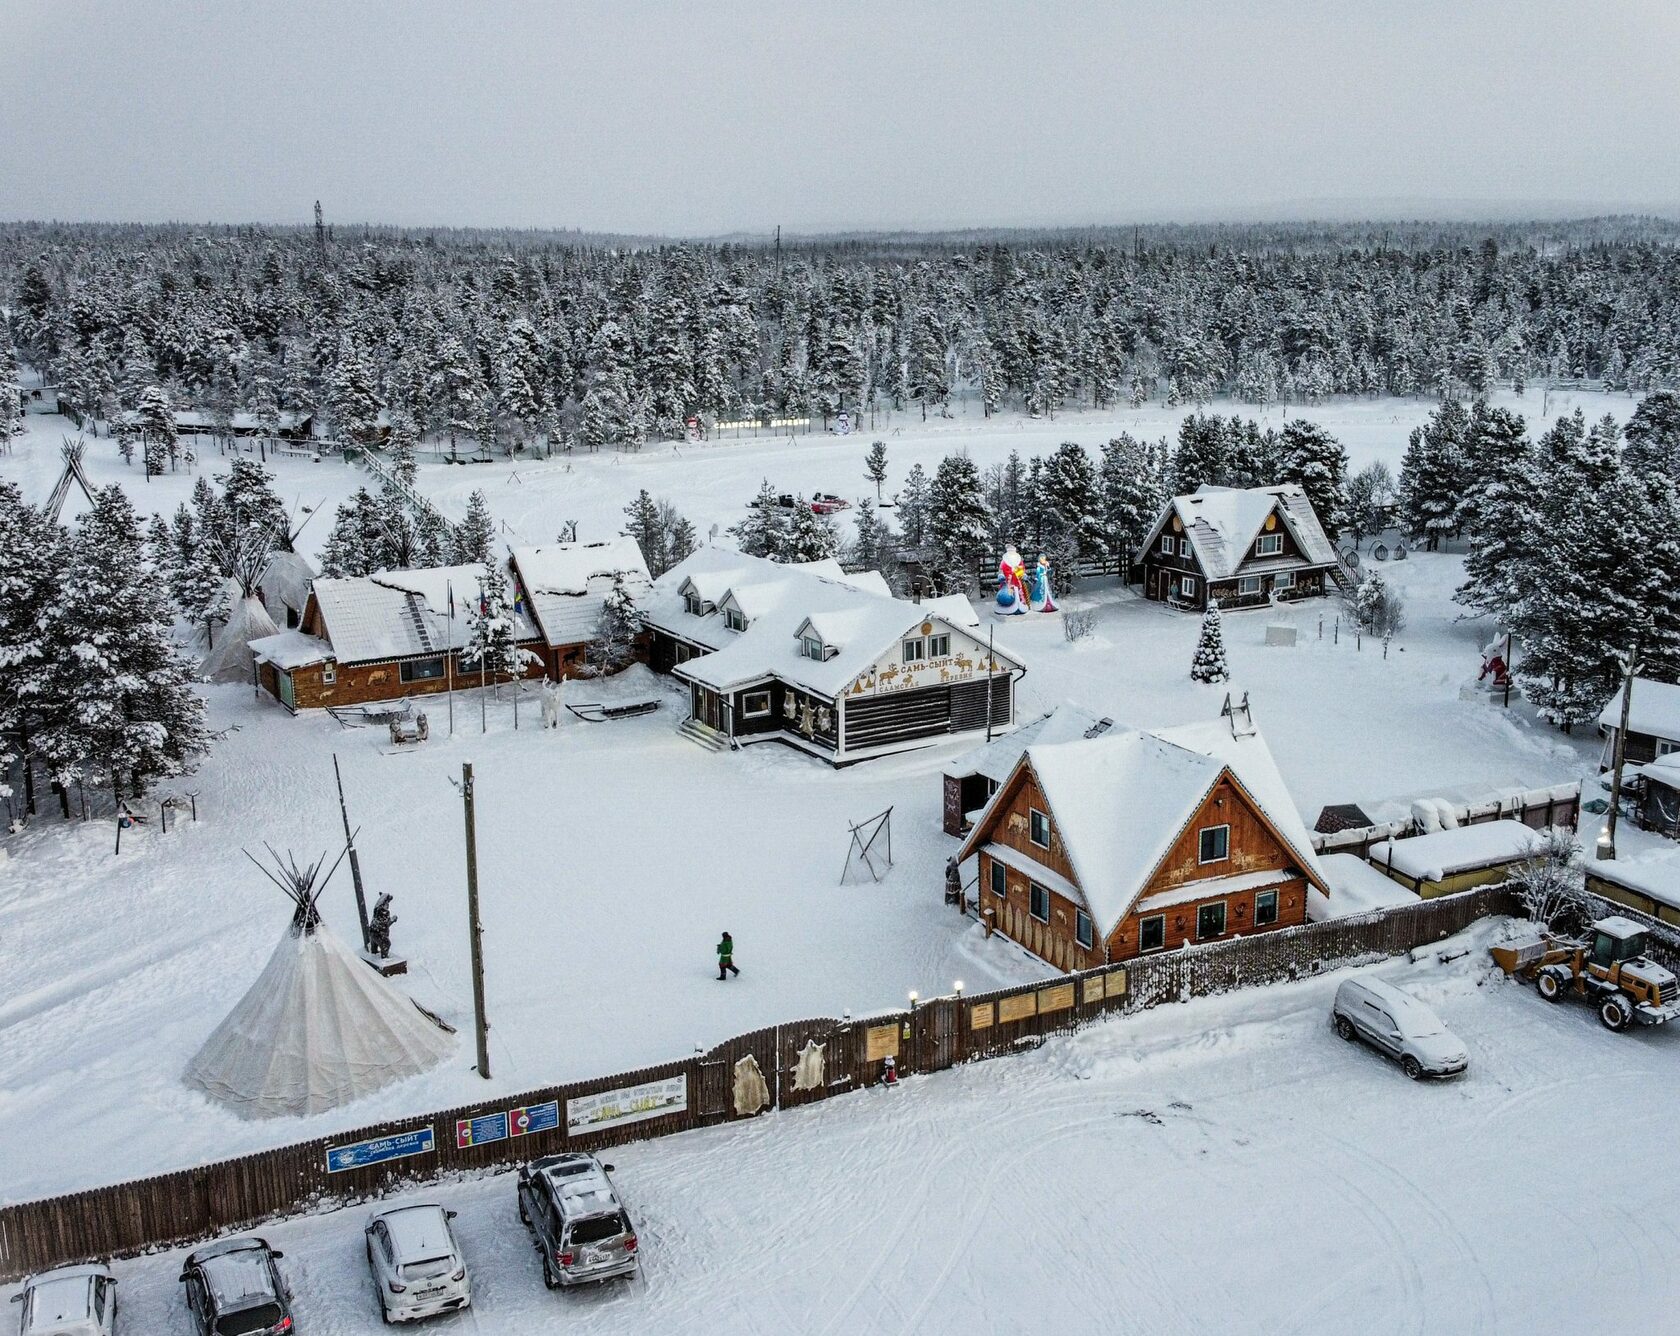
(800, 1063)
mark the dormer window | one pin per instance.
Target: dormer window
(691, 604)
(811, 648)
(1268, 545)
(734, 619)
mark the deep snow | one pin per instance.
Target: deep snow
(613, 854)
(1228, 1166)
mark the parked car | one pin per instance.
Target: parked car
(71, 1301)
(581, 1227)
(1396, 1023)
(417, 1267)
(235, 1289)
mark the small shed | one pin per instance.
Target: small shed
(1656, 789)
(1653, 723)
(1652, 886)
(1447, 861)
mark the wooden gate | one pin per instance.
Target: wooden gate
(937, 1034)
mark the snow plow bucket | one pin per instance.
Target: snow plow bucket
(1519, 957)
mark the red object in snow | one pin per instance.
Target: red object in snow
(1496, 667)
(889, 1073)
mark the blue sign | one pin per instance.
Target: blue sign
(481, 1130)
(535, 1118)
(363, 1153)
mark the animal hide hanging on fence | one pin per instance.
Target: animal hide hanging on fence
(808, 1073)
(751, 1094)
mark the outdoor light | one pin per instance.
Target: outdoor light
(959, 987)
(913, 997)
(1605, 849)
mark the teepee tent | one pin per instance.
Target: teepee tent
(231, 658)
(318, 1028)
(71, 497)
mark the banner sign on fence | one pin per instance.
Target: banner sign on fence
(480, 1131)
(1059, 998)
(980, 1016)
(632, 1104)
(363, 1153)
(1017, 1008)
(534, 1118)
(880, 1042)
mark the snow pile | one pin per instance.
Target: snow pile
(232, 658)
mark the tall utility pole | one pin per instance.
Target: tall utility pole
(355, 861)
(475, 929)
(1606, 850)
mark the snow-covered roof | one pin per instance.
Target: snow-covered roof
(1442, 853)
(1356, 888)
(1066, 723)
(1655, 710)
(399, 614)
(856, 616)
(1448, 805)
(1665, 770)
(1120, 801)
(1619, 927)
(1223, 522)
(291, 649)
(569, 582)
(1657, 877)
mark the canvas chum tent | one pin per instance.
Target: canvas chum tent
(318, 1028)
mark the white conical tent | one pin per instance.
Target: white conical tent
(231, 658)
(318, 1029)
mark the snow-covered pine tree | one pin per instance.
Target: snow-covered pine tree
(1309, 455)
(912, 508)
(1370, 493)
(1129, 496)
(122, 707)
(680, 539)
(156, 425)
(400, 447)
(958, 523)
(615, 630)
(1202, 453)
(1499, 511)
(1072, 527)
(32, 559)
(475, 535)
(1432, 473)
(1652, 433)
(807, 536)
(762, 531)
(353, 395)
(352, 547)
(1209, 664)
(250, 501)
(642, 522)
(11, 396)
(492, 650)
(870, 543)
(875, 465)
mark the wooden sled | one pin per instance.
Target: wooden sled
(601, 714)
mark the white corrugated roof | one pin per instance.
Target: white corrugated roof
(398, 614)
(569, 582)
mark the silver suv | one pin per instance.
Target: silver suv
(1396, 1023)
(580, 1225)
(72, 1301)
(417, 1267)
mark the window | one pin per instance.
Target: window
(1187, 586)
(1082, 931)
(1249, 584)
(691, 604)
(421, 670)
(1152, 933)
(812, 648)
(1215, 844)
(1664, 746)
(1268, 545)
(734, 619)
(915, 650)
(1000, 879)
(755, 704)
(1038, 828)
(329, 674)
(1265, 908)
(1168, 546)
(938, 646)
(1210, 921)
(1283, 580)
(1040, 903)
(682, 653)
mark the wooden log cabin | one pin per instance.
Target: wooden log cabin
(1134, 843)
(383, 637)
(1241, 547)
(825, 661)
(565, 585)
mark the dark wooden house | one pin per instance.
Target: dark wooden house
(822, 660)
(1133, 843)
(1242, 547)
(1653, 723)
(564, 586)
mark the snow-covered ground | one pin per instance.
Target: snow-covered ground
(612, 855)
(1224, 1166)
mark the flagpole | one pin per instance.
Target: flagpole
(449, 656)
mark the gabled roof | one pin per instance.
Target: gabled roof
(997, 758)
(1655, 710)
(400, 614)
(854, 614)
(1223, 522)
(1121, 800)
(569, 582)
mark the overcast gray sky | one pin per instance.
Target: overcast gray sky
(652, 115)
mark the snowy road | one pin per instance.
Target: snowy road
(1227, 1166)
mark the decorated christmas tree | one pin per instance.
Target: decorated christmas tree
(1209, 664)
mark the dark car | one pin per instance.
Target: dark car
(579, 1224)
(234, 1289)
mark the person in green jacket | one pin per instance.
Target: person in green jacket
(726, 957)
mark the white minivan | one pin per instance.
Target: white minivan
(1396, 1023)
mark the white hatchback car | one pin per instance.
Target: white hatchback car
(416, 1263)
(72, 1301)
(1396, 1023)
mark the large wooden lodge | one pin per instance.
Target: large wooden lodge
(822, 660)
(1241, 547)
(1132, 843)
